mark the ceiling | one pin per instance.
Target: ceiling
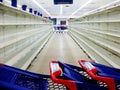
(75, 10)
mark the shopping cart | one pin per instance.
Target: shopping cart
(72, 77)
(107, 76)
(16, 79)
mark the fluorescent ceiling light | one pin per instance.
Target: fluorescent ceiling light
(117, 1)
(41, 7)
(80, 8)
(36, 4)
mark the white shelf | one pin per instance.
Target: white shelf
(111, 33)
(22, 54)
(101, 41)
(93, 55)
(18, 49)
(99, 31)
(106, 55)
(13, 9)
(104, 21)
(27, 63)
(12, 24)
(20, 32)
(4, 44)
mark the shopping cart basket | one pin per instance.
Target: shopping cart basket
(107, 76)
(72, 78)
(16, 79)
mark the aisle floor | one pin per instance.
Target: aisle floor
(60, 47)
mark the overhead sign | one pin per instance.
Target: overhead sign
(63, 1)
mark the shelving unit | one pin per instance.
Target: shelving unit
(22, 36)
(98, 34)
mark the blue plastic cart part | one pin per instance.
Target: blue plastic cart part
(73, 77)
(16, 79)
(1, 0)
(109, 75)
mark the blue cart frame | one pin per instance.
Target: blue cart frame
(12, 78)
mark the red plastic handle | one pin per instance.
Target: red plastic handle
(92, 71)
(55, 71)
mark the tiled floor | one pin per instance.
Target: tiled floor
(60, 47)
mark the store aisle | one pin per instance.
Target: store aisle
(60, 47)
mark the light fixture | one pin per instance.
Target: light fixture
(41, 7)
(80, 8)
(95, 10)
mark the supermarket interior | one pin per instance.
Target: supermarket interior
(59, 44)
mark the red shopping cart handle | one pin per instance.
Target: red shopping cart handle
(55, 71)
(92, 71)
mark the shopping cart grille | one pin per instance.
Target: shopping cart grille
(29, 82)
(55, 86)
(117, 84)
(37, 84)
(101, 84)
(118, 87)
